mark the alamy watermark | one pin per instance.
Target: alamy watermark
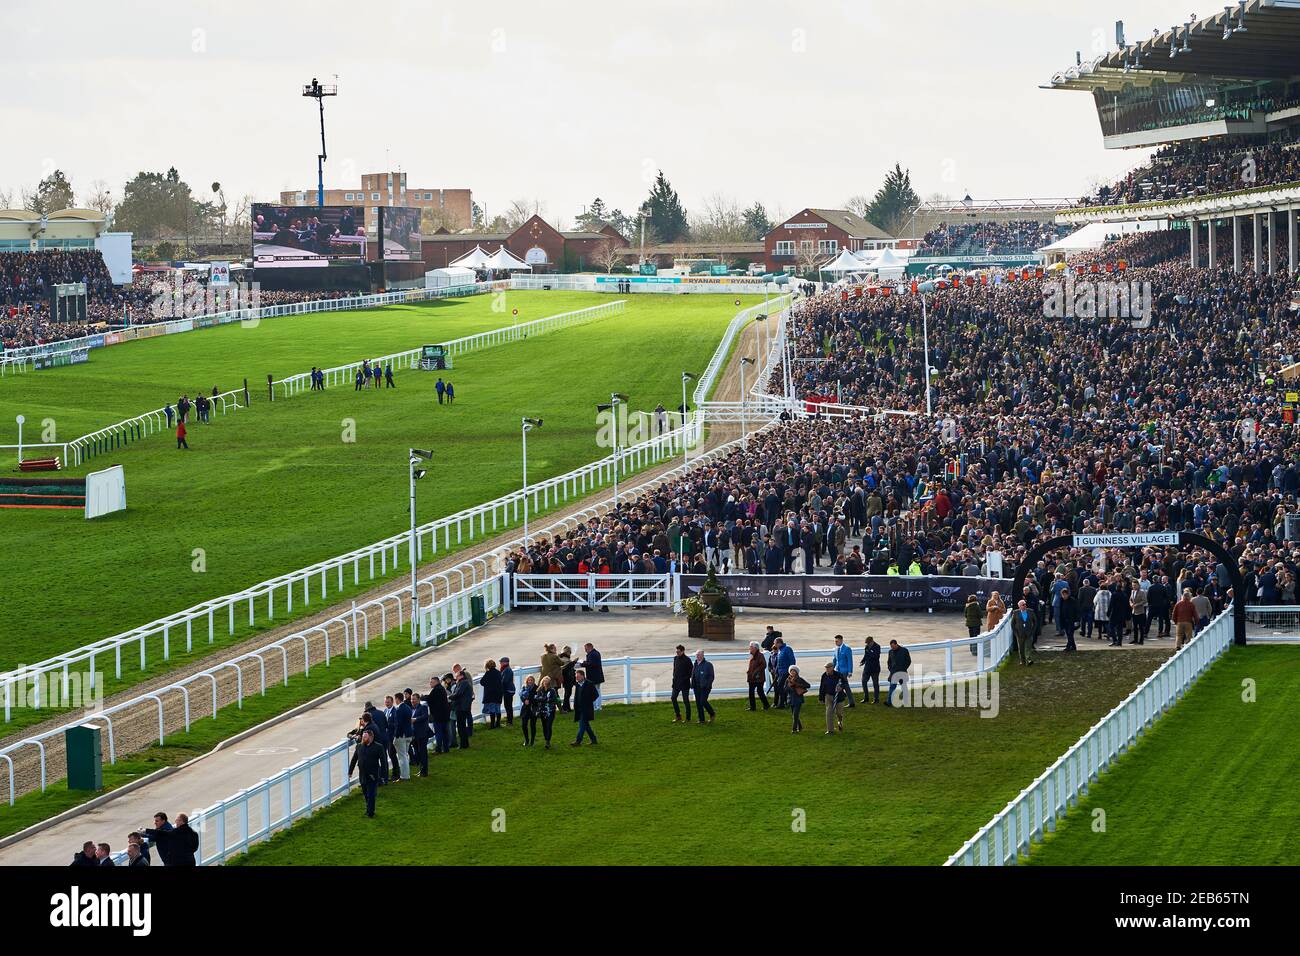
(1096, 299)
(630, 427)
(23, 688)
(190, 299)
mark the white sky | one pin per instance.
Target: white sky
(791, 103)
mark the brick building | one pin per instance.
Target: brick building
(815, 235)
(390, 189)
(537, 242)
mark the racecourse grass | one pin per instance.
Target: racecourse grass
(1213, 783)
(899, 787)
(279, 486)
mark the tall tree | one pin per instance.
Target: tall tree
(154, 204)
(664, 211)
(894, 202)
(475, 215)
(594, 217)
(757, 223)
(52, 193)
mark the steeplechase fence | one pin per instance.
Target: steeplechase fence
(1034, 812)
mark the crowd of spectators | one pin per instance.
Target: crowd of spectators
(1043, 426)
(991, 238)
(1199, 168)
(27, 279)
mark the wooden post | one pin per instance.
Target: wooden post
(270, 387)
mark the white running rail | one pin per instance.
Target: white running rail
(1024, 821)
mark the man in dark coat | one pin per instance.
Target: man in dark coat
(1068, 616)
(420, 733)
(682, 667)
(439, 716)
(585, 693)
(379, 725)
(369, 756)
(401, 730)
(898, 662)
(1024, 624)
(595, 670)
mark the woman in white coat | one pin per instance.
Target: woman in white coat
(1101, 612)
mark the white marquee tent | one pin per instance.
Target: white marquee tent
(476, 258)
(506, 261)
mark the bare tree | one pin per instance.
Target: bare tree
(807, 256)
(858, 204)
(100, 198)
(721, 220)
(521, 210)
(6, 198)
(607, 254)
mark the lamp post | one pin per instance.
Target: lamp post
(686, 455)
(615, 399)
(417, 455)
(528, 425)
(20, 419)
(925, 340)
(744, 403)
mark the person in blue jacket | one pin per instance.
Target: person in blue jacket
(785, 659)
(844, 666)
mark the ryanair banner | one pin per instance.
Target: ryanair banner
(834, 593)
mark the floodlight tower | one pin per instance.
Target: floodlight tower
(316, 91)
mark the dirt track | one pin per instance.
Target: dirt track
(136, 728)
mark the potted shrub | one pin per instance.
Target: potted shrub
(720, 622)
(711, 591)
(695, 614)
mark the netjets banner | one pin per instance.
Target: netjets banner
(1125, 540)
(829, 593)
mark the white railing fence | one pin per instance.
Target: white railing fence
(134, 429)
(209, 690)
(1034, 812)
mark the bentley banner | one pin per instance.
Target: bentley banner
(831, 593)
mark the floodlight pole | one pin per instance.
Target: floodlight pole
(744, 400)
(614, 407)
(20, 419)
(925, 339)
(316, 91)
(415, 593)
(527, 425)
(686, 453)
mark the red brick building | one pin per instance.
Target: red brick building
(537, 242)
(816, 235)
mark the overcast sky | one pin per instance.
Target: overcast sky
(791, 103)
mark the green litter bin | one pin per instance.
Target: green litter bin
(477, 611)
(85, 757)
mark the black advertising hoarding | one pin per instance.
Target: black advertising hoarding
(832, 593)
(754, 590)
(399, 233)
(307, 235)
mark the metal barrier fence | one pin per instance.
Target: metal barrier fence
(1273, 624)
(1034, 812)
(444, 617)
(410, 358)
(593, 590)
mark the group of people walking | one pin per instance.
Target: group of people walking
(368, 375)
(202, 408)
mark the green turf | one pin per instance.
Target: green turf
(899, 787)
(1213, 783)
(276, 487)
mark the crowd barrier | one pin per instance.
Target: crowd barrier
(1034, 812)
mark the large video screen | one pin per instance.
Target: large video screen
(307, 235)
(399, 227)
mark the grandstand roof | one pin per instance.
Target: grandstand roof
(852, 223)
(1267, 48)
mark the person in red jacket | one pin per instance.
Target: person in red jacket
(180, 436)
(1184, 618)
